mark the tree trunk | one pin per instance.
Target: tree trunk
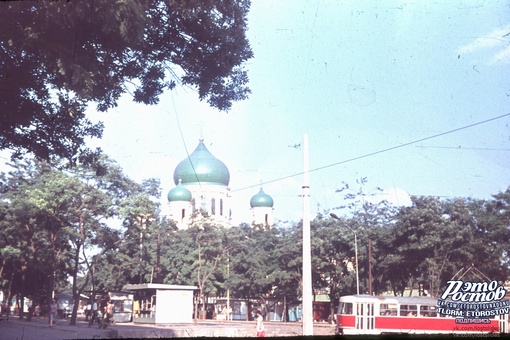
(248, 310)
(75, 293)
(197, 299)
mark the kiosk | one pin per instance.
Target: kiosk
(161, 303)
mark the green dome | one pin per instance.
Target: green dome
(261, 200)
(202, 167)
(179, 193)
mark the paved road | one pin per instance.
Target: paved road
(38, 328)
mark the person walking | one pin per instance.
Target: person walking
(53, 312)
(260, 324)
(93, 315)
(108, 314)
(5, 310)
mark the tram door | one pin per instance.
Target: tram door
(365, 317)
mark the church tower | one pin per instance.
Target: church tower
(179, 202)
(207, 179)
(262, 209)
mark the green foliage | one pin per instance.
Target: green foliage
(253, 266)
(54, 227)
(54, 220)
(34, 243)
(58, 56)
(331, 254)
(433, 240)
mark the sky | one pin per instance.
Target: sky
(412, 95)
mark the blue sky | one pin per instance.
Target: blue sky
(358, 77)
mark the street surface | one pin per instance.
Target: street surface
(38, 328)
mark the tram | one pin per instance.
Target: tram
(367, 314)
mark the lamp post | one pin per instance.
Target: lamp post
(355, 252)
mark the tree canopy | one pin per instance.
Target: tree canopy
(58, 56)
(54, 229)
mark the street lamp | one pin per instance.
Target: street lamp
(355, 251)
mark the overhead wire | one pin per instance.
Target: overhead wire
(380, 151)
(184, 142)
(460, 148)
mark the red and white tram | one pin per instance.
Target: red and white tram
(367, 314)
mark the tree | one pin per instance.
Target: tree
(92, 194)
(140, 215)
(434, 239)
(74, 211)
(288, 255)
(197, 256)
(367, 222)
(54, 219)
(491, 234)
(57, 56)
(332, 252)
(211, 252)
(253, 266)
(35, 241)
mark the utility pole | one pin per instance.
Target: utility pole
(355, 251)
(140, 250)
(307, 315)
(158, 258)
(369, 267)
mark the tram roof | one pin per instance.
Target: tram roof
(390, 299)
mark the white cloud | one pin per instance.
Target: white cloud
(503, 56)
(498, 38)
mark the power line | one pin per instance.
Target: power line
(380, 151)
(184, 142)
(460, 148)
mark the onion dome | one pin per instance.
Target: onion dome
(261, 200)
(202, 167)
(179, 193)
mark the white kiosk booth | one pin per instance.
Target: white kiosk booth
(161, 303)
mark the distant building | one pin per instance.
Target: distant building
(202, 186)
(262, 209)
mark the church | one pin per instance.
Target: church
(202, 186)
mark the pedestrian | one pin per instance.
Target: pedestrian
(53, 312)
(5, 309)
(93, 314)
(88, 311)
(109, 312)
(260, 324)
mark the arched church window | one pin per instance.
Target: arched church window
(213, 206)
(221, 206)
(203, 205)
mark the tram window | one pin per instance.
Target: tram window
(345, 308)
(388, 309)
(408, 310)
(428, 311)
